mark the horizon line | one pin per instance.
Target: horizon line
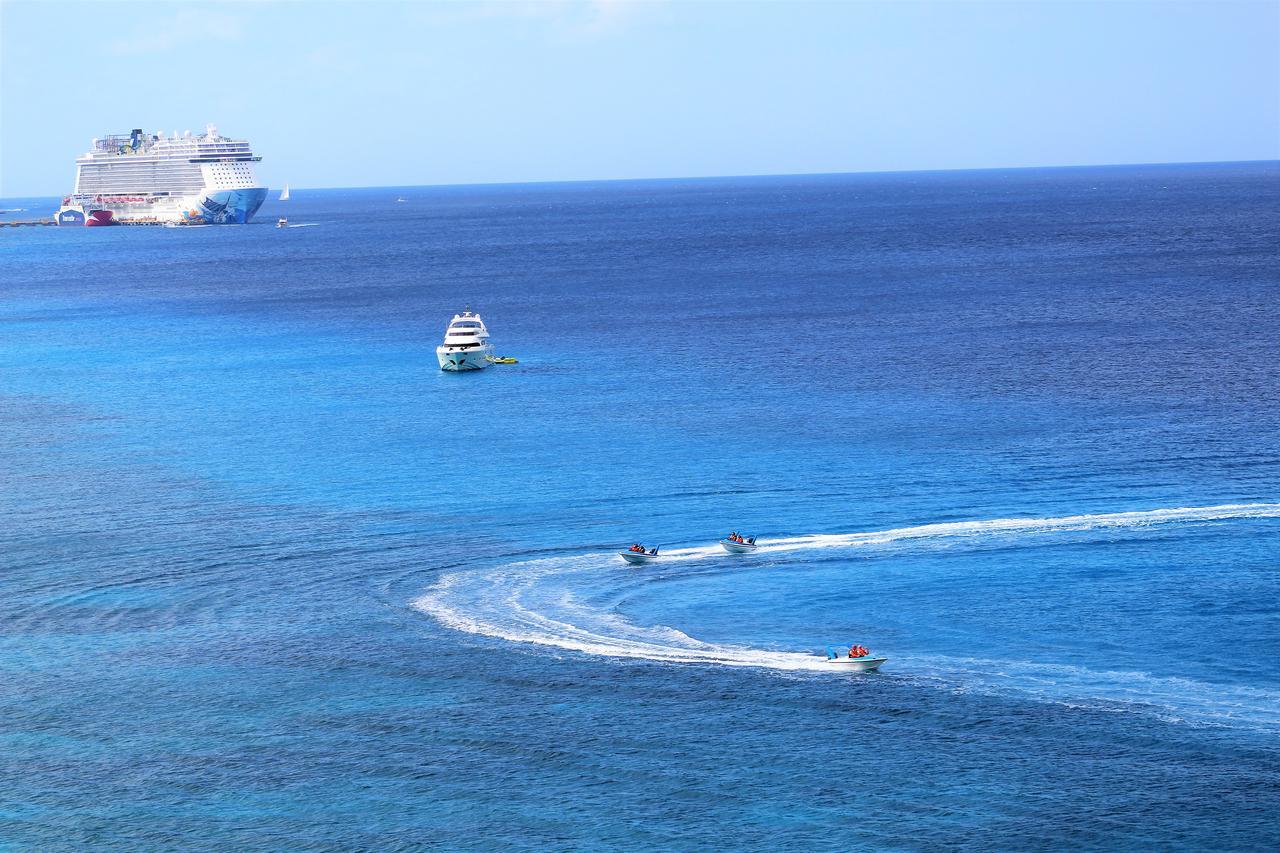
(755, 175)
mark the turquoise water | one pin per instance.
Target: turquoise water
(272, 580)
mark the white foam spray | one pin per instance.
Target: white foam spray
(564, 603)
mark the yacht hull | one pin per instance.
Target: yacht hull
(458, 361)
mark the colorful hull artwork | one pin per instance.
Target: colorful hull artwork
(229, 206)
(70, 216)
(223, 207)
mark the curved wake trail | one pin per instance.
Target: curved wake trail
(570, 603)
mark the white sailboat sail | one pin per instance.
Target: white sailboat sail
(284, 196)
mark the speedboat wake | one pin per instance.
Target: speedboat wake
(571, 603)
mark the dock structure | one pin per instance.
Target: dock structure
(17, 223)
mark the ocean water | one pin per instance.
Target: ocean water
(270, 580)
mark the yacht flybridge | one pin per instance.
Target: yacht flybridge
(466, 344)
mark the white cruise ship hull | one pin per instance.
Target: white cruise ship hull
(221, 207)
(474, 358)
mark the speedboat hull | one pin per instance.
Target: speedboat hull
(736, 547)
(866, 664)
(636, 558)
(477, 358)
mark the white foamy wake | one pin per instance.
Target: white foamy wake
(570, 603)
(1171, 698)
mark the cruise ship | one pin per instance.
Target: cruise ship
(150, 178)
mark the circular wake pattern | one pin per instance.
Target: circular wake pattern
(570, 602)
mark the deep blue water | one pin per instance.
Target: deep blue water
(270, 580)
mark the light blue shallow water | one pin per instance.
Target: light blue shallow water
(271, 580)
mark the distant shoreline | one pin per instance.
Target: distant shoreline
(776, 175)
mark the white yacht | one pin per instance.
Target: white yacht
(466, 344)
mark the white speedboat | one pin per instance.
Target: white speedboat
(733, 546)
(282, 222)
(639, 558)
(466, 344)
(865, 664)
(859, 663)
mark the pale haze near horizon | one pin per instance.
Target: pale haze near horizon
(399, 94)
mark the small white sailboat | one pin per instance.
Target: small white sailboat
(284, 196)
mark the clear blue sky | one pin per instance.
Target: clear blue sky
(382, 93)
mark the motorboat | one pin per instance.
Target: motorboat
(466, 344)
(282, 222)
(640, 557)
(861, 663)
(503, 359)
(738, 545)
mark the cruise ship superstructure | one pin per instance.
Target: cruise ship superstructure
(149, 178)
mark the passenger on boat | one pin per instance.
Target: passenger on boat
(653, 552)
(751, 541)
